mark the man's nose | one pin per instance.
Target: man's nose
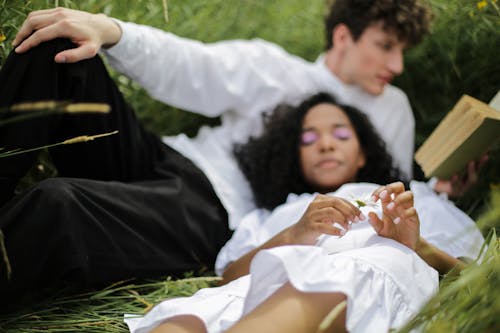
(395, 62)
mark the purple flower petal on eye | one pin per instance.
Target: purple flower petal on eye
(342, 133)
(309, 137)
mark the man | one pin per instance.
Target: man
(364, 52)
(126, 219)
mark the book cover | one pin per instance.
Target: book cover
(464, 134)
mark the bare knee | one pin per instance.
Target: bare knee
(330, 307)
(290, 310)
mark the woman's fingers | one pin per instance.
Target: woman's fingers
(327, 215)
(376, 223)
(404, 199)
(386, 193)
(345, 207)
(409, 214)
(401, 201)
(331, 209)
(329, 229)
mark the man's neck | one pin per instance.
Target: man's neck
(334, 62)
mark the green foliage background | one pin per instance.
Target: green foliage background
(459, 57)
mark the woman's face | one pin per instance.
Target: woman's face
(330, 154)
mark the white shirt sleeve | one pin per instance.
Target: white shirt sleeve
(209, 79)
(404, 142)
(393, 118)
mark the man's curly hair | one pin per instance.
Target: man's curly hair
(271, 162)
(409, 19)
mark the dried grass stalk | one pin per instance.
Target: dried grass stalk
(85, 138)
(165, 10)
(5, 257)
(78, 139)
(331, 316)
(61, 107)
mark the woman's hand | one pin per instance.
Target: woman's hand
(400, 219)
(319, 218)
(88, 31)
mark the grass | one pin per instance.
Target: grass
(100, 311)
(460, 56)
(469, 302)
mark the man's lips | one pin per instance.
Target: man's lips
(385, 78)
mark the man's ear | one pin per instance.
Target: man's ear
(341, 37)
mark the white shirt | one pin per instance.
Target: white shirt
(239, 80)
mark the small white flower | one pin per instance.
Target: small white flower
(364, 201)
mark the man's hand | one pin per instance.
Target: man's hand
(88, 31)
(457, 185)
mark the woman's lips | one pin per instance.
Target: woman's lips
(328, 163)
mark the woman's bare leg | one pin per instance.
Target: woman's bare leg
(291, 311)
(181, 324)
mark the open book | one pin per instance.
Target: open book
(464, 134)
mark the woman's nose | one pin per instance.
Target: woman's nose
(326, 143)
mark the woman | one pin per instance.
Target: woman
(289, 267)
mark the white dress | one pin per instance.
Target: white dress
(385, 282)
(240, 80)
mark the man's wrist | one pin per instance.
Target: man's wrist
(441, 187)
(112, 31)
(432, 183)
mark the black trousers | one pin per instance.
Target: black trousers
(124, 206)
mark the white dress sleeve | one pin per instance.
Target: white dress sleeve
(246, 238)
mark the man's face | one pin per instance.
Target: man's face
(373, 60)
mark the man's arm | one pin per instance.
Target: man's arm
(245, 76)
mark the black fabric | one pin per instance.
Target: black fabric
(125, 206)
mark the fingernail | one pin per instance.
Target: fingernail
(374, 198)
(396, 220)
(391, 205)
(383, 194)
(362, 217)
(61, 59)
(342, 232)
(356, 219)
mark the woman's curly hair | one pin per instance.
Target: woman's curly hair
(271, 162)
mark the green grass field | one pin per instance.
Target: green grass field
(459, 57)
